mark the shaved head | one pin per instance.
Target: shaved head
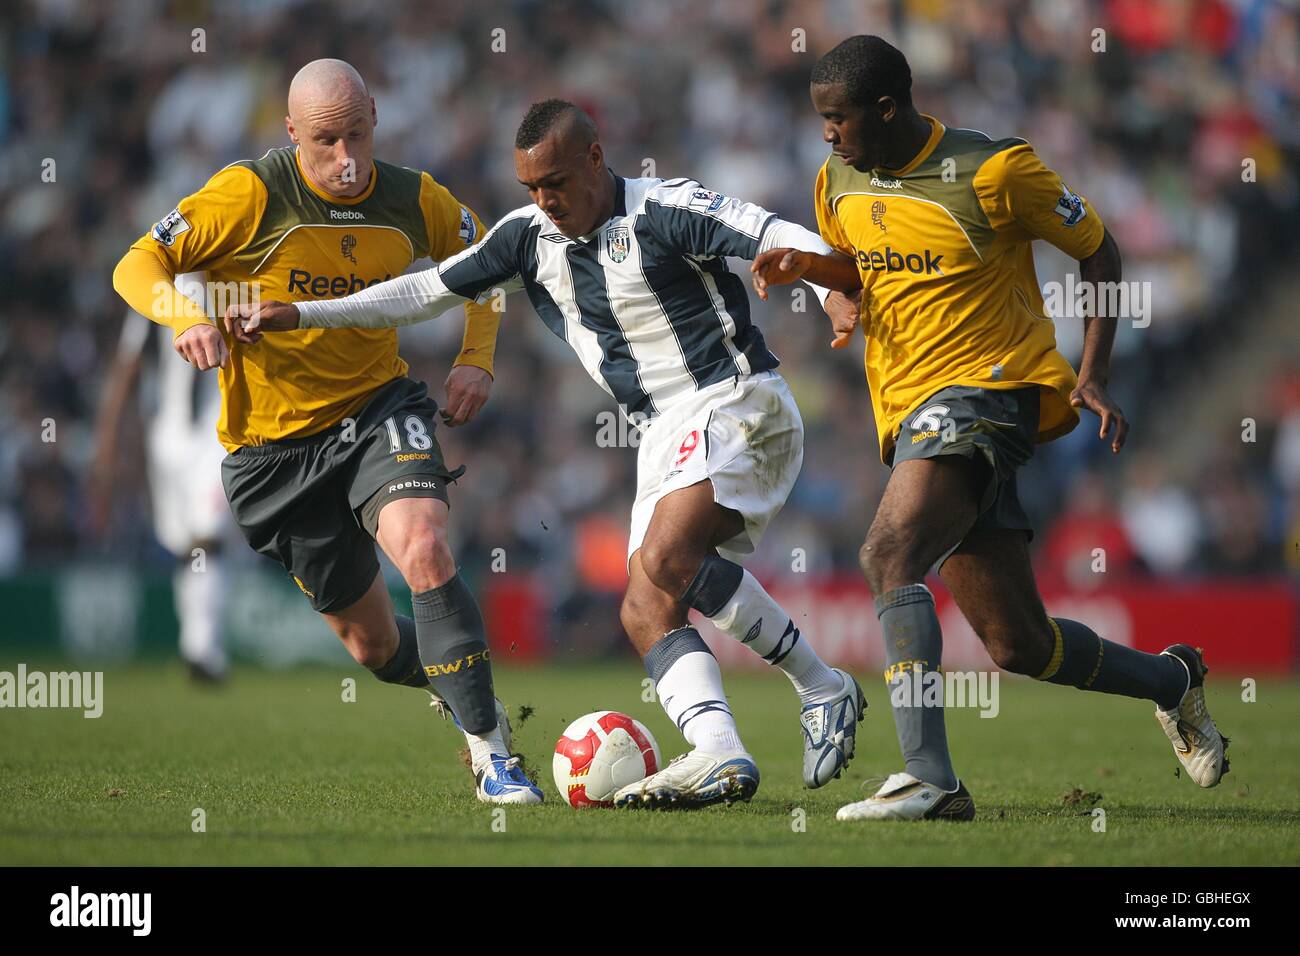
(322, 84)
(332, 121)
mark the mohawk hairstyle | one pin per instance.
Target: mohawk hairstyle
(545, 116)
(868, 68)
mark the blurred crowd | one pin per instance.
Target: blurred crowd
(1150, 118)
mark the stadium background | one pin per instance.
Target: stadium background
(1199, 525)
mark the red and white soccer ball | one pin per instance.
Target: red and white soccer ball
(599, 754)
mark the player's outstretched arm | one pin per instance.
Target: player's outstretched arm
(783, 266)
(1092, 393)
(470, 276)
(703, 222)
(385, 305)
(247, 321)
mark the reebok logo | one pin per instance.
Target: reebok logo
(346, 214)
(304, 283)
(891, 261)
(886, 183)
(413, 483)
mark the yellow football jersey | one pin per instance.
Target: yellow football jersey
(950, 296)
(263, 223)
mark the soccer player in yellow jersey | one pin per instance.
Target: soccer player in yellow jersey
(331, 446)
(936, 225)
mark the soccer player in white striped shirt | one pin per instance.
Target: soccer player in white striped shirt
(631, 274)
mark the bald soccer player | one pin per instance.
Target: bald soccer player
(331, 445)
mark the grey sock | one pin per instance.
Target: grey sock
(404, 668)
(453, 647)
(1085, 660)
(914, 645)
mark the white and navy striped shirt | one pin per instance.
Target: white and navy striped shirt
(646, 301)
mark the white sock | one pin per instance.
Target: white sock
(197, 595)
(692, 697)
(758, 622)
(482, 748)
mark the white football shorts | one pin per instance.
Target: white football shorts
(745, 435)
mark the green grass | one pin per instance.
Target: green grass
(287, 773)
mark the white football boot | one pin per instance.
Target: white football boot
(903, 797)
(1198, 745)
(694, 779)
(829, 732)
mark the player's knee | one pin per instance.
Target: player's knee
(646, 610)
(669, 566)
(630, 613)
(877, 556)
(424, 557)
(368, 649)
(1013, 649)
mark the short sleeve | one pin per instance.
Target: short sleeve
(1017, 191)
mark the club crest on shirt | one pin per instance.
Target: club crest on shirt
(617, 243)
(1070, 207)
(169, 227)
(706, 200)
(878, 215)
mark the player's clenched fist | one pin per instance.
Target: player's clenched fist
(203, 347)
(778, 267)
(248, 322)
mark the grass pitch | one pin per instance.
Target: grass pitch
(286, 772)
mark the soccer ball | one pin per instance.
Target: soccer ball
(599, 754)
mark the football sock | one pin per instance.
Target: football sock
(689, 686)
(914, 645)
(453, 648)
(736, 603)
(1085, 660)
(483, 746)
(197, 595)
(404, 667)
